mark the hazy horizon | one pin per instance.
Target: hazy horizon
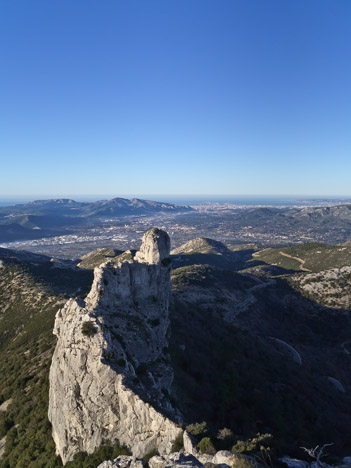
(239, 199)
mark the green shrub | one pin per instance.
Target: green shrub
(178, 443)
(252, 445)
(225, 439)
(206, 446)
(102, 453)
(149, 455)
(198, 429)
(224, 434)
(88, 329)
(5, 425)
(244, 463)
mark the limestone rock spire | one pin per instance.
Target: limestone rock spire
(101, 382)
(155, 247)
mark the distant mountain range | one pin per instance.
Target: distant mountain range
(273, 226)
(42, 218)
(101, 208)
(330, 224)
(315, 215)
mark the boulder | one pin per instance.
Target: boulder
(174, 460)
(124, 461)
(294, 462)
(189, 443)
(225, 458)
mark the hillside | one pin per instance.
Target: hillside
(334, 216)
(247, 381)
(205, 251)
(310, 257)
(31, 291)
(98, 256)
(14, 231)
(317, 271)
(201, 245)
(229, 342)
(331, 287)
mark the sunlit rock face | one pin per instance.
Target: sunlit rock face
(155, 247)
(110, 359)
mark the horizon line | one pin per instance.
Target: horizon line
(131, 195)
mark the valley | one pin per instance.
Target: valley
(271, 304)
(233, 309)
(61, 229)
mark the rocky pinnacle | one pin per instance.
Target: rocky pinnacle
(110, 375)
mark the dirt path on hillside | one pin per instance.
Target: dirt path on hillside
(302, 262)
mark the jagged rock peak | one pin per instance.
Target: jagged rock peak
(155, 247)
(110, 359)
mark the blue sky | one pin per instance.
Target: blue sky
(175, 96)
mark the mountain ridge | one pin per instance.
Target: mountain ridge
(90, 208)
(52, 217)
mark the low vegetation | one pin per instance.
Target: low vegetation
(96, 257)
(331, 288)
(88, 329)
(104, 452)
(309, 257)
(206, 446)
(243, 382)
(30, 295)
(249, 397)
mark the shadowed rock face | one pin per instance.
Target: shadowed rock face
(109, 359)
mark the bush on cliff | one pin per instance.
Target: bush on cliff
(206, 446)
(88, 329)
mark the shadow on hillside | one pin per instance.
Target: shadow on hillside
(234, 375)
(67, 281)
(218, 261)
(235, 261)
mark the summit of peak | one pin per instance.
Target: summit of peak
(155, 247)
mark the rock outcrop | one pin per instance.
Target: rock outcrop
(223, 459)
(155, 247)
(110, 376)
(123, 462)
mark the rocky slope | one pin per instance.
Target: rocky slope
(32, 289)
(109, 371)
(202, 245)
(188, 456)
(97, 257)
(203, 250)
(331, 288)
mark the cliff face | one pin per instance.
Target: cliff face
(110, 359)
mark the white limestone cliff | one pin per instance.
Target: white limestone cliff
(110, 376)
(155, 247)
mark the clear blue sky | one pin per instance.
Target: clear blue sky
(175, 96)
